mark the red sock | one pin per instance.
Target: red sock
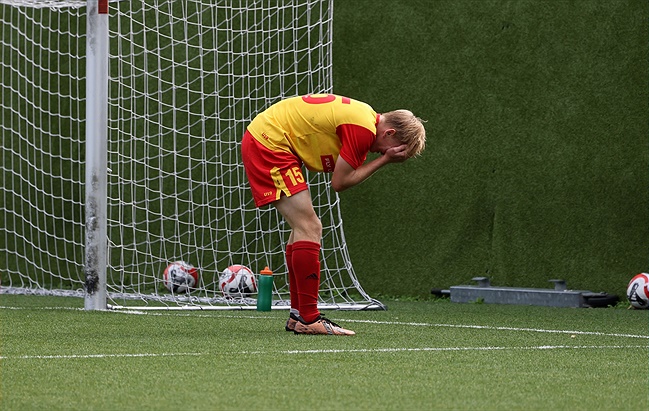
(306, 265)
(292, 285)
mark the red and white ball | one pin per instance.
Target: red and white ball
(180, 277)
(237, 281)
(638, 291)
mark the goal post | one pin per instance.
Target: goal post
(121, 129)
(96, 182)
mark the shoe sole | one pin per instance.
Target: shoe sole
(329, 330)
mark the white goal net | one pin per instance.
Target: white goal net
(185, 78)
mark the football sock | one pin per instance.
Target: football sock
(306, 266)
(292, 285)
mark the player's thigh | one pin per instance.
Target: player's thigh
(296, 208)
(298, 212)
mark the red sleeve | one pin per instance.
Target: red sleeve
(356, 141)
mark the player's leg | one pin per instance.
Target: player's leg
(305, 238)
(265, 170)
(306, 232)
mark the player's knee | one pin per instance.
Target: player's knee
(317, 227)
(314, 226)
(311, 228)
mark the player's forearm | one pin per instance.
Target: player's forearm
(359, 175)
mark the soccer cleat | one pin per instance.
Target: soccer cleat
(321, 326)
(290, 323)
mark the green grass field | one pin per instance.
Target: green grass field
(417, 355)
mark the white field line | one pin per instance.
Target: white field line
(330, 351)
(397, 323)
(489, 327)
(418, 324)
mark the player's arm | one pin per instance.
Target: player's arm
(345, 176)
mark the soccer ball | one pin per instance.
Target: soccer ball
(237, 281)
(180, 276)
(638, 291)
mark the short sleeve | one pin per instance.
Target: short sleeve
(355, 143)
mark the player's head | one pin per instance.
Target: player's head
(409, 129)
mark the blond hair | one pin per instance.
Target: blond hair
(409, 130)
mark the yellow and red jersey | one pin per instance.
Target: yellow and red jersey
(317, 128)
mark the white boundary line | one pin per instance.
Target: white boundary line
(330, 351)
(338, 351)
(400, 323)
(418, 324)
(490, 327)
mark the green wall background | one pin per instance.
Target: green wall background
(537, 153)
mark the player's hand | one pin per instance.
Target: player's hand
(396, 154)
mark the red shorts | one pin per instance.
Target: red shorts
(270, 173)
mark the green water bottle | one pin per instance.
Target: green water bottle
(265, 290)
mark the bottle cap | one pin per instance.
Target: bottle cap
(266, 271)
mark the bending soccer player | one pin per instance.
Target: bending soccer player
(325, 133)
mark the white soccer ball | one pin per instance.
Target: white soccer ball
(638, 291)
(180, 277)
(237, 281)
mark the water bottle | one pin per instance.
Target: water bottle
(265, 290)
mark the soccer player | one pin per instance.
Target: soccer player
(325, 133)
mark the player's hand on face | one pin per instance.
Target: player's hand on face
(397, 154)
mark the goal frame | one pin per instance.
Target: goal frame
(286, 52)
